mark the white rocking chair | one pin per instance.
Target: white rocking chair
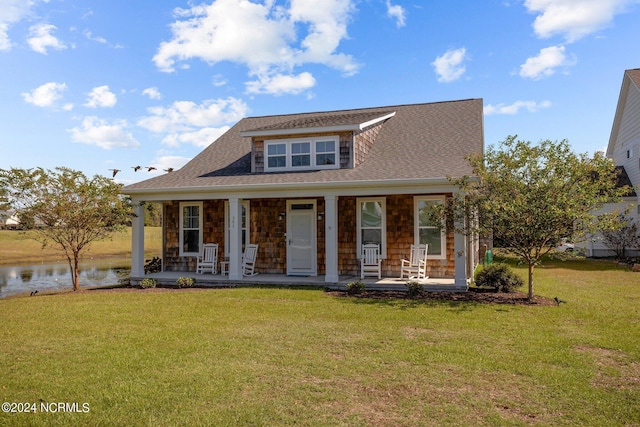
(370, 261)
(416, 265)
(249, 260)
(208, 260)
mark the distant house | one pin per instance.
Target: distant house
(311, 188)
(9, 220)
(624, 149)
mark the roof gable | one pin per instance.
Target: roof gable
(630, 82)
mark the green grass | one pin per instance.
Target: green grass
(268, 356)
(20, 247)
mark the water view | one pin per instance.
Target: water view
(53, 277)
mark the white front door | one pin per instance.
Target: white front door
(301, 238)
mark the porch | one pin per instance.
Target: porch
(168, 278)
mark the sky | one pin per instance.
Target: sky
(97, 86)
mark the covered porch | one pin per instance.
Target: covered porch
(326, 226)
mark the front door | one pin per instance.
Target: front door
(301, 238)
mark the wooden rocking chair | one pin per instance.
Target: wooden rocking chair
(208, 260)
(370, 261)
(416, 265)
(249, 260)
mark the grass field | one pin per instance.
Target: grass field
(20, 247)
(269, 356)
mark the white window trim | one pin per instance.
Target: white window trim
(416, 222)
(200, 223)
(313, 166)
(383, 202)
(247, 234)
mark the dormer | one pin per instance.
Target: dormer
(315, 142)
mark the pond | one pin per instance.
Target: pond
(26, 279)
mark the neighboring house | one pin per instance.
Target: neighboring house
(9, 220)
(624, 149)
(310, 188)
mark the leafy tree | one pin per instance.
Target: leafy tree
(532, 196)
(623, 238)
(68, 209)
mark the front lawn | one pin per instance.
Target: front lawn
(267, 356)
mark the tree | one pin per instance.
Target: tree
(623, 238)
(67, 208)
(532, 196)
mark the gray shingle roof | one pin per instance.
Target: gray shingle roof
(422, 141)
(634, 75)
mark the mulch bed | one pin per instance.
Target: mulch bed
(483, 296)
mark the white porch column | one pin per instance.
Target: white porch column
(331, 238)
(235, 239)
(137, 240)
(460, 255)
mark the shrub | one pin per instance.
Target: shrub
(414, 288)
(355, 287)
(499, 277)
(148, 283)
(185, 282)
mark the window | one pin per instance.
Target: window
(325, 153)
(276, 155)
(302, 154)
(244, 224)
(426, 230)
(372, 223)
(190, 228)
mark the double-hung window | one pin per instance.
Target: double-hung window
(190, 228)
(302, 154)
(426, 229)
(372, 223)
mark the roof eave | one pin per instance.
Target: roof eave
(310, 187)
(317, 129)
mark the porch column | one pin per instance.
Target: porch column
(235, 239)
(331, 238)
(460, 255)
(137, 240)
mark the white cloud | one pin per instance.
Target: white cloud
(94, 131)
(152, 93)
(574, 18)
(45, 95)
(101, 96)
(281, 84)
(11, 11)
(546, 63)
(89, 35)
(449, 66)
(396, 12)
(196, 124)
(40, 38)
(262, 36)
(514, 108)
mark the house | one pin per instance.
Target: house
(311, 188)
(9, 220)
(624, 149)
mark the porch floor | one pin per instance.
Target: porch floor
(168, 278)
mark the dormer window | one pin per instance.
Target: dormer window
(301, 154)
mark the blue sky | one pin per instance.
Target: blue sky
(110, 85)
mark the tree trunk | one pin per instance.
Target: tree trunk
(530, 296)
(74, 273)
